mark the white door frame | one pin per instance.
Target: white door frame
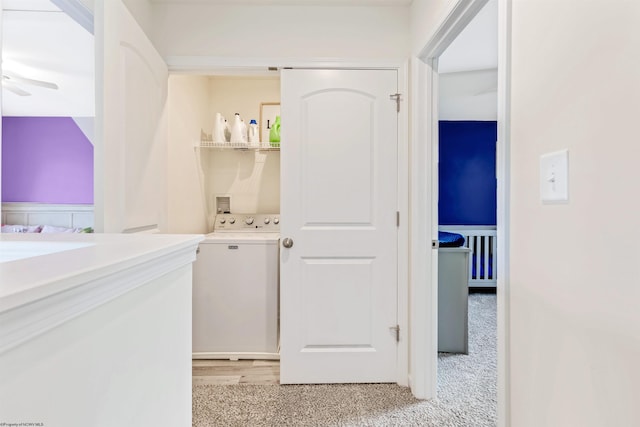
(424, 146)
(251, 66)
(503, 176)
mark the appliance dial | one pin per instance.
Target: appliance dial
(267, 220)
(249, 221)
(232, 220)
(222, 220)
(276, 220)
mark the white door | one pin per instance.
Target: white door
(338, 205)
(131, 125)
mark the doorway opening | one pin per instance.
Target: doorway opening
(48, 114)
(425, 147)
(467, 235)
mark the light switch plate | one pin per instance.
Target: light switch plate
(554, 176)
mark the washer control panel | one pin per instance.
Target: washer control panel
(247, 222)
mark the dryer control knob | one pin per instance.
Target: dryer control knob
(222, 220)
(267, 220)
(249, 221)
(276, 220)
(232, 220)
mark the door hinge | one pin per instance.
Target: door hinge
(396, 330)
(396, 97)
(397, 218)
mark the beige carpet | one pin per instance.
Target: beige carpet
(466, 393)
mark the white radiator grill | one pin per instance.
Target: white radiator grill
(482, 240)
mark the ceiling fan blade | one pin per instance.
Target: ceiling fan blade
(13, 88)
(34, 82)
(492, 89)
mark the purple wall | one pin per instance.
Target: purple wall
(46, 160)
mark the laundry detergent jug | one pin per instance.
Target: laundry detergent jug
(274, 133)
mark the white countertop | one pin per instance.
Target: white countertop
(71, 260)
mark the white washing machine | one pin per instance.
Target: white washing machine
(235, 289)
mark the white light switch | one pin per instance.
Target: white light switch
(554, 176)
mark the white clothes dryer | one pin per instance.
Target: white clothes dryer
(235, 289)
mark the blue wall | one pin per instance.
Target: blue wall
(467, 173)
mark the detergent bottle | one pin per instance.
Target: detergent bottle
(274, 133)
(236, 131)
(254, 137)
(244, 131)
(219, 125)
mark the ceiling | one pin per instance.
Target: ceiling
(41, 42)
(476, 48)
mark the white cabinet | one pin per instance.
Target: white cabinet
(235, 297)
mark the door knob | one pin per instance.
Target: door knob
(287, 242)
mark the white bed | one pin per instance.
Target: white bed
(30, 214)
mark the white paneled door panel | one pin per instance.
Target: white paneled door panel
(131, 155)
(345, 286)
(145, 141)
(338, 205)
(337, 157)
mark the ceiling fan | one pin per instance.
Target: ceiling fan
(13, 83)
(490, 89)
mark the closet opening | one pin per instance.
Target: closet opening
(225, 174)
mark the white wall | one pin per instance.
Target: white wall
(196, 176)
(575, 286)
(125, 363)
(251, 179)
(87, 126)
(189, 107)
(142, 12)
(240, 94)
(468, 95)
(426, 16)
(281, 31)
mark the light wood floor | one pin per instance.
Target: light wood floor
(222, 372)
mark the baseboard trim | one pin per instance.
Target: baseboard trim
(235, 356)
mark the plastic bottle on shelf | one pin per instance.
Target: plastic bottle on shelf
(227, 131)
(254, 137)
(274, 133)
(219, 125)
(244, 131)
(236, 131)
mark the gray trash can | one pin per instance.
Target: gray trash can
(453, 295)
